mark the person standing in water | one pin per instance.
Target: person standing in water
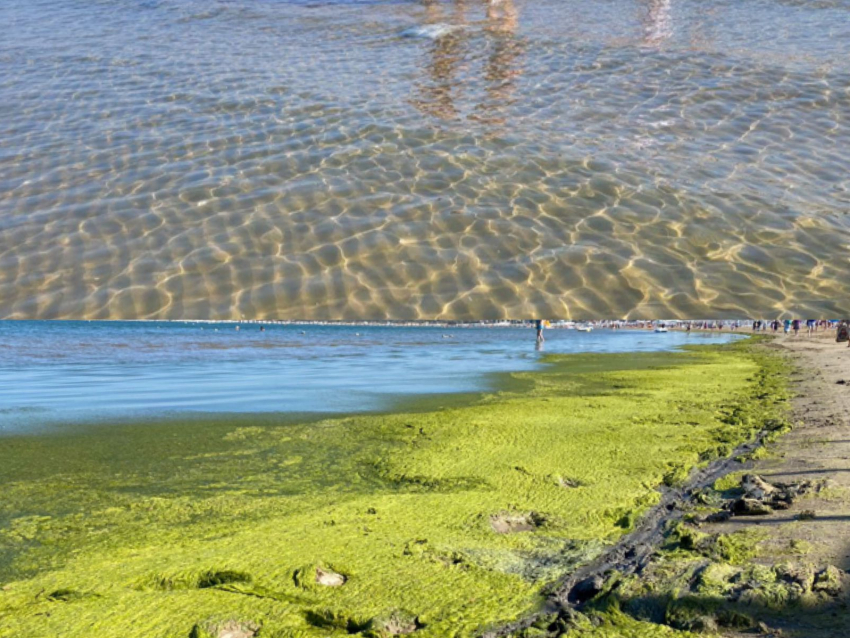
(538, 323)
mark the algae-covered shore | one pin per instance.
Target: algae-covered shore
(753, 544)
(443, 518)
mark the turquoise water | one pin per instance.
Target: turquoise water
(65, 372)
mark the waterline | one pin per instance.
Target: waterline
(55, 372)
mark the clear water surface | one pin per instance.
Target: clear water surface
(373, 159)
(67, 372)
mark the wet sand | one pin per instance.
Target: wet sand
(818, 448)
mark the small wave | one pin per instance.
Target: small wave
(23, 409)
(430, 31)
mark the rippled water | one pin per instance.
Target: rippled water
(566, 158)
(66, 372)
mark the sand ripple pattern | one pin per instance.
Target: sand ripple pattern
(168, 159)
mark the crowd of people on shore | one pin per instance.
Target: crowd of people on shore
(811, 326)
(791, 327)
(786, 326)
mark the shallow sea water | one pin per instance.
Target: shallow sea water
(63, 373)
(220, 159)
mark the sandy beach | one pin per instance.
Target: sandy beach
(818, 448)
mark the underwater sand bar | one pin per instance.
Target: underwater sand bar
(443, 518)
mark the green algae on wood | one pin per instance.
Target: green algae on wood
(174, 528)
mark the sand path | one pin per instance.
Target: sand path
(817, 448)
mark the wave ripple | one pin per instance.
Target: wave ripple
(221, 160)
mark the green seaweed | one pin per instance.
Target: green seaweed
(168, 524)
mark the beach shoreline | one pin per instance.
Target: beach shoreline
(57, 373)
(520, 485)
(789, 572)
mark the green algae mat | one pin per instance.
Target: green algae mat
(443, 518)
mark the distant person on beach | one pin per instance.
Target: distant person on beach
(795, 325)
(786, 326)
(538, 323)
(843, 333)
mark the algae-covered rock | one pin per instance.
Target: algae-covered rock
(688, 538)
(337, 619)
(568, 482)
(715, 579)
(676, 475)
(420, 548)
(756, 487)
(397, 623)
(553, 624)
(828, 581)
(770, 586)
(329, 578)
(225, 629)
(735, 549)
(760, 586)
(511, 523)
(733, 619)
(586, 589)
(800, 546)
(319, 576)
(750, 507)
(692, 615)
(800, 576)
